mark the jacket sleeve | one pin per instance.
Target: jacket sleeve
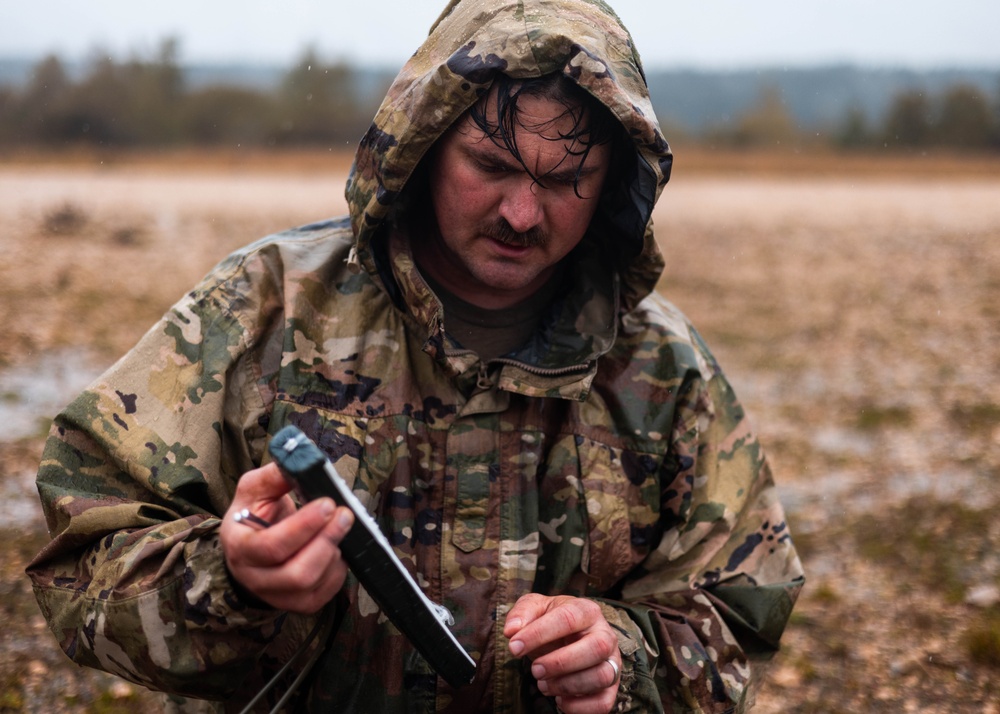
(709, 604)
(134, 477)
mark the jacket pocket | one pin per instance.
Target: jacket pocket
(621, 497)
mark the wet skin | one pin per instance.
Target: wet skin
(500, 233)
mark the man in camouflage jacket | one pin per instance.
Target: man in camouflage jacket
(605, 461)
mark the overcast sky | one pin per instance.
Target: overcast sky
(669, 33)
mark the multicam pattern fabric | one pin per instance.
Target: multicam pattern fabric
(607, 459)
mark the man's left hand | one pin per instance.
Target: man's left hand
(569, 643)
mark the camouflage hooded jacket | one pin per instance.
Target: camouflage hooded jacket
(608, 458)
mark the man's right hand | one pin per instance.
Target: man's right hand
(294, 565)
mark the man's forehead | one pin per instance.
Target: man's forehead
(545, 131)
(551, 119)
(478, 145)
(532, 107)
(559, 160)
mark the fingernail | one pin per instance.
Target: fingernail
(538, 671)
(543, 686)
(514, 624)
(327, 508)
(345, 519)
(516, 647)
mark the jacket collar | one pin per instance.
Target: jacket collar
(559, 361)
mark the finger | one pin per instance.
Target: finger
(306, 592)
(310, 559)
(339, 525)
(585, 654)
(566, 619)
(526, 610)
(284, 539)
(600, 703)
(579, 681)
(311, 576)
(264, 492)
(263, 484)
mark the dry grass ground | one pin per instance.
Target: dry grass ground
(855, 303)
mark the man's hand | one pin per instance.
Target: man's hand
(294, 565)
(569, 641)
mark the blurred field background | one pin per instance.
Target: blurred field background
(851, 291)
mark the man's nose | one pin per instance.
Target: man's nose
(522, 206)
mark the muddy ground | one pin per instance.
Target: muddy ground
(854, 304)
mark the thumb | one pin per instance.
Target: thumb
(262, 484)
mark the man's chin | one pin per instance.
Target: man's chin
(511, 287)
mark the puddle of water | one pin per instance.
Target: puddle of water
(30, 395)
(843, 493)
(38, 390)
(834, 440)
(20, 508)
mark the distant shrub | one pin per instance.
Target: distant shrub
(909, 121)
(938, 544)
(873, 417)
(65, 219)
(982, 639)
(964, 119)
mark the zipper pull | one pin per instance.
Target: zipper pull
(483, 380)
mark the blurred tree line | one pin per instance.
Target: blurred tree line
(961, 118)
(145, 102)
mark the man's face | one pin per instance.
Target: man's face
(501, 234)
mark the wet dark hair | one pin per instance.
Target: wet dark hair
(617, 221)
(593, 123)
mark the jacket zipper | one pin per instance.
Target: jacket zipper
(540, 371)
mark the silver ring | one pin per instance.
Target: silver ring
(618, 674)
(248, 518)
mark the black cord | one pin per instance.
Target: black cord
(324, 624)
(328, 621)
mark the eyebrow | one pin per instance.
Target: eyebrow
(504, 158)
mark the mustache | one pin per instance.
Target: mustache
(500, 230)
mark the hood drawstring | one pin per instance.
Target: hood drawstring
(353, 261)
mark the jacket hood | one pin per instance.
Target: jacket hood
(470, 43)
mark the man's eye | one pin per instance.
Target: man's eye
(491, 168)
